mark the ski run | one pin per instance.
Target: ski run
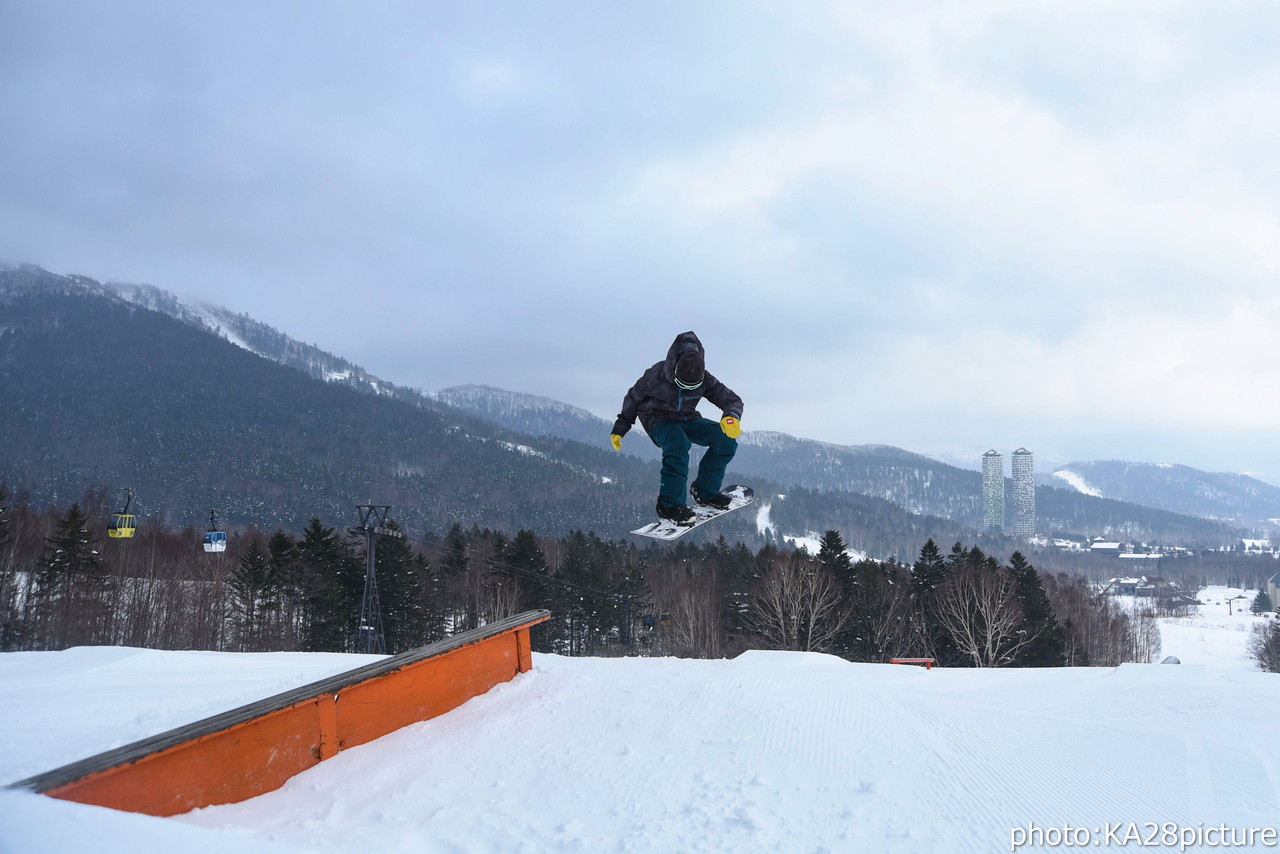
(766, 752)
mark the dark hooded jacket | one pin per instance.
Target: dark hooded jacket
(655, 397)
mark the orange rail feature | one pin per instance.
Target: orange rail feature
(927, 662)
(254, 749)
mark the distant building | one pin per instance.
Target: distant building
(993, 491)
(1024, 494)
(1123, 586)
(1151, 587)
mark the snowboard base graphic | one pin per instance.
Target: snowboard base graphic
(665, 529)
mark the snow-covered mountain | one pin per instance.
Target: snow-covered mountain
(238, 329)
(913, 481)
(191, 421)
(537, 416)
(262, 340)
(916, 482)
(918, 485)
(1235, 498)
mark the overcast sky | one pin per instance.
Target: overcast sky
(946, 226)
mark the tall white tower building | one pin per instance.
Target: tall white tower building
(1024, 494)
(993, 491)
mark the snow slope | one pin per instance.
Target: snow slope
(1218, 635)
(766, 752)
(1076, 482)
(63, 706)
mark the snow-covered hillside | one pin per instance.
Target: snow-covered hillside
(1225, 496)
(261, 339)
(766, 752)
(1076, 482)
(536, 416)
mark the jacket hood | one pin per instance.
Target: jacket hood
(684, 342)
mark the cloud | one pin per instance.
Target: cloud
(489, 81)
(868, 210)
(1155, 369)
(1119, 271)
(1001, 180)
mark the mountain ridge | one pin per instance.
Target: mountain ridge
(568, 438)
(930, 486)
(1222, 496)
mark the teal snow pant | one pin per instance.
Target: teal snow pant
(675, 438)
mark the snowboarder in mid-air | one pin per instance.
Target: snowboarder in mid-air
(665, 399)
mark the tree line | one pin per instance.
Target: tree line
(63, 583)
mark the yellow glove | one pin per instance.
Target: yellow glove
(616, 440)
(731, 426)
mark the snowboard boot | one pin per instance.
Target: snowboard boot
(719, 500)
(678, 513)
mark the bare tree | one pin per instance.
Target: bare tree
(1141, 642)
(978, 606)
(494, 596)
(1097, 632)
(1264, 646)
(797, 605)
(897, 628)
(10, 599)
(695, 622)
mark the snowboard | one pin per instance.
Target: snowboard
(665, 529)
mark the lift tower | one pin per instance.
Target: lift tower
(373, 523)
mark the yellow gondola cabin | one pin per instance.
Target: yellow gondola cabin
(123, 523)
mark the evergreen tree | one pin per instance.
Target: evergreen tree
(1048, 647)
(453, 554)
(399, 577)
(736, 569)
(856, 585)
(432, 601)
(929, 570)
(525, 556)
(460, 610)
(72, 585)
(928, 575)
(1262, 602)
(4, 516)
(253, 594)
(833, 554)
(869, 602)
(604, 577)
(333, 583)
(636, 598)
(287, 570)
(578, 600)
(973, 557)
(728, 574)
(282, 551)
